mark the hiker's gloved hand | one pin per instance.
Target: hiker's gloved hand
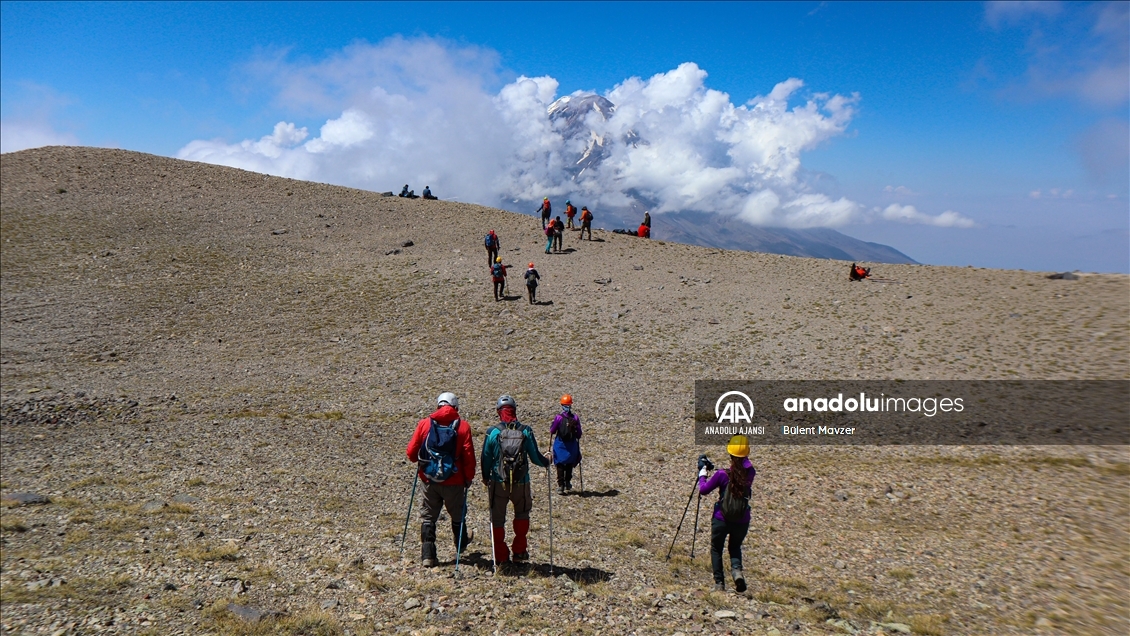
(702, 472)
(704, 462)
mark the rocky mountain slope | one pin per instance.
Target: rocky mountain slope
(211, 375)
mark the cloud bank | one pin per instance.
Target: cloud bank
(422, 111)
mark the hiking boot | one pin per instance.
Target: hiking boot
(561, 490)
(569, 486)
(739, 580)
(428, 545)
(522, 556)
(719, 586)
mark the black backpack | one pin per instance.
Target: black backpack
(567, 432)
(733, 508)
(513, 464)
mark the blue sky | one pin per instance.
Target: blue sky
(1011, 116)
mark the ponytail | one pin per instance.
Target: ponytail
(739, 479)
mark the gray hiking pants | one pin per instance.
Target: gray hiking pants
(436, 495)
(521, 495)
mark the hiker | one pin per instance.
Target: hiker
(498, 277)
(558, 232)
(647, 220)
(490, 241)
(570, 212)
(507, 451)
(428, 194)
(549, 231)
(546, 210)
(532, 278)
(445, 455)
(858, 272)
(643, 231)
(586, 222)
(404, 192)
(731, 511)
(566, 435)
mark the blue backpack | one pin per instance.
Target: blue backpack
(496, 270)
(490, 241)
(437, 457)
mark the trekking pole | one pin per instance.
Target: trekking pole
(681, 519)
(549, 488)
(490, 531)
(694, 536)
(459, 544)
(404, 534)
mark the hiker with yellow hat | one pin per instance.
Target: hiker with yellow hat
(565, 431)
(731, 511)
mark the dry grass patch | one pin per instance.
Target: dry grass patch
(13, 524)
(928, 624)
(226, 552)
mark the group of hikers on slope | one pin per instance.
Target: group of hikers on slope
(444, 451)
(554, 228)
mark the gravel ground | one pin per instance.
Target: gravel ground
(212, 374)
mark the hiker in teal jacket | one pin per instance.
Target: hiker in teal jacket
(507, 451)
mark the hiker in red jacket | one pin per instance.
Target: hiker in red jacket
(586, 223)
(445, 454)
(545, 210)
(643, 232)
(859, 272)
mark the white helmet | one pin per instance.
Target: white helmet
(447, 397)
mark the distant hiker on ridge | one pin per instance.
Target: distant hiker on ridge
(444, 452)
(570, 212)
(408, 194)
(498, 277)
(858, 272)
(586, 223)
(647, 219)
(491, 243)
(644, 231)
(428, 193)
(558, 232)
(532, 278)
(509, 447)
(550, 230)
(546, 210)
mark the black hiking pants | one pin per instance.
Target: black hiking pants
(533, 291)
(499, 289)
(585, 226)
(719, 530)
(564, 475)
(492, 253)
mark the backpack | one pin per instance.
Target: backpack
(489, 241)
(733, 508)
(586, 216)
(513, 465)
(567, 432)
(437, 456)
(497, 271)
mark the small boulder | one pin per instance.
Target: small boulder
(13, 499)
(329, 604)
(151, 507)
(185, 499)
(407, 244)
(280, 231)
(251, 614)
(841, 495)
(725, 614)
(1063, 276)
(412, 603)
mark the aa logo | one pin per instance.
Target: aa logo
(734, 407)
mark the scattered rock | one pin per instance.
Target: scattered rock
(329, 604)
(407, 244)
(841, 495)
(185, 499)
(391, 252)
(840, 565)
(412, 603)
(725, 614)
(773, 631)
(279, 231)
(1043, 623)
(251, 614)
(638, 268)
(150, 507)
(842, 625)
(169, 587)
(1063, 276)
(13, 499)
(901, 628)
(335, 585)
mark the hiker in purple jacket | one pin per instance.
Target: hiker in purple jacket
(731, 511)
(566, 434)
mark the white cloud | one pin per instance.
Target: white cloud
(908, 214)
(898, 190)
(21, 135)
(419, 111)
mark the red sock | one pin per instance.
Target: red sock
(501, 553)
(521, 528)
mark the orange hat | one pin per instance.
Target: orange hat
(531, 265)
(566, 400)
